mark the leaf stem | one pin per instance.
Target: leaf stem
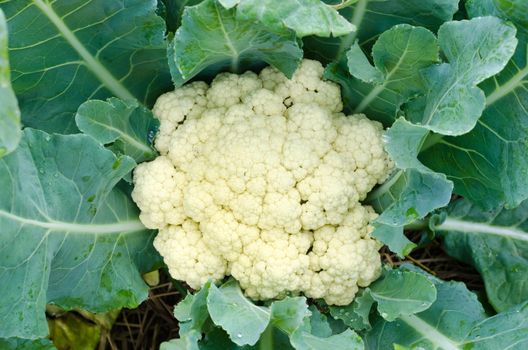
(357, 18)
(418, 225)
(512, 84)
(343, 4)
(378, 192)
(94, 65)
(266, 339)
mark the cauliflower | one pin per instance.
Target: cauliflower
(261, 177)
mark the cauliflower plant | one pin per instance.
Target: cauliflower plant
(261, 177)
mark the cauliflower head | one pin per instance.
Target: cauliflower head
(260, 177)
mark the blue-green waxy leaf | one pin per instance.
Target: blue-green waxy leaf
(24, 344)
(476, 49)
(422, 190)
(394, 238)
(397, 293)
(455, 321)
(304, 17)
(348, 340)
(192, 313)
(76, 50)
(229, 3)
(213, 38)
(9, 112)
(373, 17)
(187, 342)
(129, 126)
(239, 317)
(68, 237)
(412, 192)
(360, 67)
(507, 330)
(288, 314)
(399, 54)
(356, 314)
(496, 243)
(489, 165)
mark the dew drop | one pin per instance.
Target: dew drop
(239, 335)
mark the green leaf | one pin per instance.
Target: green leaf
(304, 17)
(239, 317)
(507, 330)
(348, 340)
(476, 50)
(399, 54)
(229, 3)
(399, 293)
(68, 237)
(489, 165)
(172, 11)
(360, 67)
(413, 191)
(127, 125)
(380, 16)
(394, 238)
(71, 331)
(216, 339)
(496, 243)
(193, 314)
(513, 10)
(444, 325)
(373, 17)
(76, 50)
(288, 314)
(187, 342)
(24, 344)
(318, 323)
(9, 112)
(211, 37)
(356, 314)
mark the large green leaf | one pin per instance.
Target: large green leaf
(172, 11)
(212, 38)
(304, 17)
(126, 125)
(373, 17)
(455, 321)
(348, 340)
(23, 344)
(399, 54)
(496, 243)
(476, 50)
(9, 112)
(489, 165)
(398, 293)
(239, 317)
(67, 51)
(412, 192)
(67, 236)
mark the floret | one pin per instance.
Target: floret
(260, 177)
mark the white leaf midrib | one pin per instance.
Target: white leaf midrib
(452, 224)
(94, 65)
(430, 333)
(61, 226)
